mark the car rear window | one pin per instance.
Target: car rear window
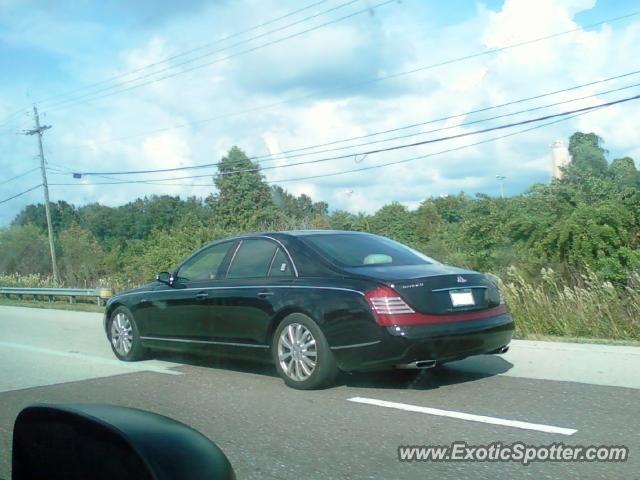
(359, 250)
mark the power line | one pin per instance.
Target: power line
(441, 152)
(471, 122)
(396, 162)
(19, 176)
(166, 60)
(449, 117)
(435, 140)
(7, 119)
(186, 62)
(21, 193)
(387, 149)
(83, 98)
(447, 62)
(185, 52)
(378, 79)
(106, 177)
(482, 120)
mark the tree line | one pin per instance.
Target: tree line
(588, 222)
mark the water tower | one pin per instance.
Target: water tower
(560, 158)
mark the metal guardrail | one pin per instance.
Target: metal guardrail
(101, 294)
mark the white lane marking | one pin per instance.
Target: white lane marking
(141, 367)
(464, 416)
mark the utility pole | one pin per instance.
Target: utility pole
(39, 130)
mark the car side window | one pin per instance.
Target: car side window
(204, 266)
(280, 266)
(252, 259)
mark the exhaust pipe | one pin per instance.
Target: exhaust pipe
(498, 351)
(419, 364)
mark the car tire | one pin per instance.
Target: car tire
(123, 336)
(296, 343)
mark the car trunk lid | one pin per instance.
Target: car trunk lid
(437, 288)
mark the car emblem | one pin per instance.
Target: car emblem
(461, 279)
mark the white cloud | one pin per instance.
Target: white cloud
(166, 150)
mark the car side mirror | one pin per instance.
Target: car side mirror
(107, 442)
(166, 278)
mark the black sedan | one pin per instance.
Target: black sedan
(314, 303)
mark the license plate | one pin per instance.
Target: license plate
(461, 298)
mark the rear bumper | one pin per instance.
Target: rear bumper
(443, 342)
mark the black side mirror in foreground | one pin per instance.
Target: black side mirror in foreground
(106, 442)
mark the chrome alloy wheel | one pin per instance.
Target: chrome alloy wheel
(297, 352)
(121, 334)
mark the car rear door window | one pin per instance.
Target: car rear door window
(253, 259)
(204, 265)
(280, 266)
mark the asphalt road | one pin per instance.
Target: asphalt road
(270, 431)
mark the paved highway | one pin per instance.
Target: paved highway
(539, 393)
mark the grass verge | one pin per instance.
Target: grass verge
(595, 341)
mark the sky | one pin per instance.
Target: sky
(272, 88)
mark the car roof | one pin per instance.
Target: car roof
(300, 233)
(303, 233)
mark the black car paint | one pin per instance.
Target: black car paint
(237, 317)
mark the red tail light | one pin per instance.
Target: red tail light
(386, 304)
(390, 309)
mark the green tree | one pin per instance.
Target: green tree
(452, 208)
(63, 215)
(300, 207)
(483, 233)
(624, 173)
(397, 222)
(82, 260)
(243, 199)
(25, 250)
(587, 153)
(602, 237)
(101, 221)
(428, 220)
(342, 220)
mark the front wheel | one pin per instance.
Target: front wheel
(302, 354)
(123, 336)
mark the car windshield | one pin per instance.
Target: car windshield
(358, 250)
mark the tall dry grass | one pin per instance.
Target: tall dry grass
(36, 280)
(25, 281)
(588, 307)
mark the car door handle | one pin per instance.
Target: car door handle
(265, 294)
(201, 295)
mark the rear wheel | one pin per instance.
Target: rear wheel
(302, 355)
(123, 336)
